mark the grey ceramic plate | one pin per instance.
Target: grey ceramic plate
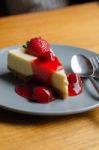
(10, 100)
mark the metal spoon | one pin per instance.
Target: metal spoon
(82, 66)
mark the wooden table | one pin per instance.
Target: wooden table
(77, 26)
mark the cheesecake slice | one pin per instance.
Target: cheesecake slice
(48, 72)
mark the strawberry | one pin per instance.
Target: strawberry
(36, 46)
(42, 94)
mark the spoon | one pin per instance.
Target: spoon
(81, 65)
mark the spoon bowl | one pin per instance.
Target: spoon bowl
(81, 65)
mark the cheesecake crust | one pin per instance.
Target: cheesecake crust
(20, 76)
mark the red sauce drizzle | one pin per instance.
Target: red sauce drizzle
(74, 89)
(75, 84)
(44, 94)
(42, 72)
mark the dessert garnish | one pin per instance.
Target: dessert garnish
(37, 47)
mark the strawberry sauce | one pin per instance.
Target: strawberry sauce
(43, 94)
(75, 84)
(40, 94)
(24, 91)
(44, 70)
(74, 89)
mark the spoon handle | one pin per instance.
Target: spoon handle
(96, 85)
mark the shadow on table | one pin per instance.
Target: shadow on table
(9, 117)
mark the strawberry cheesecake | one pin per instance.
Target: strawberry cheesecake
(36, 59)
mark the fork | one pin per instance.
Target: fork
(95, 63)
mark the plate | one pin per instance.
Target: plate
(76, 104)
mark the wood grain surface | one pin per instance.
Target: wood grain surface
(77, 26)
